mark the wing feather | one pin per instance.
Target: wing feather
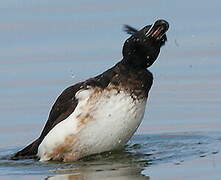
(62, 108)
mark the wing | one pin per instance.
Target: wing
(62, 108)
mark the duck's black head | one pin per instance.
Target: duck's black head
(143, 47)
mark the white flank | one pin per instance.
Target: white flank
(112, 118)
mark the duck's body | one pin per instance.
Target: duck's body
(97, 115)
(105, 118)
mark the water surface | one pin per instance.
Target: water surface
(142, 151)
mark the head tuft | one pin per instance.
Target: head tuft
(130, 30)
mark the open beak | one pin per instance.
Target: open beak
(158, 29)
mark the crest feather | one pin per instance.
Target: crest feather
(130, 30)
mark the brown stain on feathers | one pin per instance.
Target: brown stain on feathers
(99, 95)
(83, 118)
(63, 152)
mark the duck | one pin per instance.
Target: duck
(102, 113)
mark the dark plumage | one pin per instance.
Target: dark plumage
(139, 52)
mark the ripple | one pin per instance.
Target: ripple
(142, 151)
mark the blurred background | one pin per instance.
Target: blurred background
(46, 46)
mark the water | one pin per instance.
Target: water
(140, 153)
(47, 46)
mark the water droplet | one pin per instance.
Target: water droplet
(72, 74)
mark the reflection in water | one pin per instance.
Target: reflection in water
(103, 172)
(115, 165)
